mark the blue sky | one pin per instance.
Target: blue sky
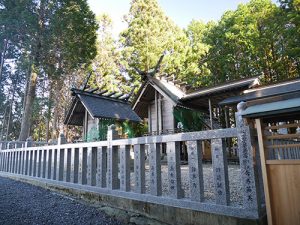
(180, 11)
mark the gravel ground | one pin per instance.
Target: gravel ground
(22, 204)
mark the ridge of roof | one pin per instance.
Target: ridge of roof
(78, 91)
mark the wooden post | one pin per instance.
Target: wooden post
(210, 114)
(264, 169)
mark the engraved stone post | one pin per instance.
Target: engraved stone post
(80, 169)
(43, 163)
(30, 157)
(53, 164)
(155, 169)
(89, 165)
(125, 167)
(220, 171)
(67, 165)
(11, 161)
(5, 162)
(22, 161)
(112, 159)
(174, 173)
(28, 144)
(25, 164)
(249, 173)
(38, 163)
(48, 164)
(72, 172)
(15, 161)
(1, 159)
(139, 168)
(195, 170)
(101, 166)
(33, 168)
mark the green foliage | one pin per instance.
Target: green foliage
(250, 41)
(107, 72)
(196, 71)
(148, 35)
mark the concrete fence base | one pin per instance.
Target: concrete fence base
(164, 213)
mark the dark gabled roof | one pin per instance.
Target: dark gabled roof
(287, 87)
(98, 106)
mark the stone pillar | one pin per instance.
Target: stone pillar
(249, 173)
(60, 157)
(101, 166)
(17, 171)
(194, 149)
(34, 162)
(67, 165)
(112, 159)
(174, 173)
(53, 164)
(139, 168)
(22, 161)
(155, 169)
(43, 163)
(61, 139)
(73, 173)
(28, 144)
(220, 171)
(82, 167)
(91, 166)
(38, 163)
(125, 167)
(47, 164)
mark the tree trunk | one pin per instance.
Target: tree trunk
(3, 124)
(27, 114)
(3, 58)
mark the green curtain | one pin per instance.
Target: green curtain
(191, 120)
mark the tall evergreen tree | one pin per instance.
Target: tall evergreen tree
(63, 38)
(150, 32)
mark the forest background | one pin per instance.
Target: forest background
(49, 46)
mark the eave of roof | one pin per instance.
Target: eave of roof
(272, 108)
(220, 88)
(286, 87)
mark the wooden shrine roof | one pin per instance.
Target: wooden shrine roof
(99, 106)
